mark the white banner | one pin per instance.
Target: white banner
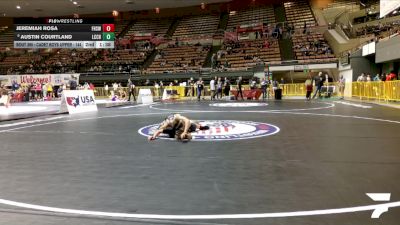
(387, 6)
(54, 79)
(145, 96)
(78, 101)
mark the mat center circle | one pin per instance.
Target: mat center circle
(239, 104)
(222, 130)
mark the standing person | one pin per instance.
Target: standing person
(44, 91)
(156, 90)
(115, 87)
(342, 85)
(318, 84)
(213, 61)
(212, 88)
(253, 84)
(275, 85)
(73, 84)
(5, 96)
(391, 76)
(219, 89)
(264, 85)
(49, 91)
(32, 88)
(239, 88)
(227, 87)
(131, 90)
(106, 88)
(309, 88)
(190, 84)
(200, 87)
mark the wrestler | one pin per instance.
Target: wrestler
(178, 127)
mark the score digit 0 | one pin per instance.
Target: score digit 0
(108, 37)
(108, 27)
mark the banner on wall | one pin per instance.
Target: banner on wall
(54, 79)
(387, 6)
(78, 101)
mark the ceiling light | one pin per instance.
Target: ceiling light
(18, 7)
(75, 3)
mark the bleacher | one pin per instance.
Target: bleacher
(246, 54)
(124, 56)
(68, 57)
(203, 25)
(120, 26)
(299, 13)
(3, 28)
(308, 45)
(7, 38)
(19, 61)
(262, 14)
(179, 59)
(158, 26)
(312, 48)
(343, 3)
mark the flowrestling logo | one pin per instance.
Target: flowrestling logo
(222, 130)
(239, 104)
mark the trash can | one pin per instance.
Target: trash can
(278, 94)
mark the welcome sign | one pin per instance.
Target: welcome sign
(54, 79)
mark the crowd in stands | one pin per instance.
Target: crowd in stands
(204, 25)
(380, 30)
(177, 57)
(308, 45)
(378, 77)
(246, 53)
(120, 59)
(311, 46)
(136, 48)
(253, 15)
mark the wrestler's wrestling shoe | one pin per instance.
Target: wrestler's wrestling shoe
(204, 127)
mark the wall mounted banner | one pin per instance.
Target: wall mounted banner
(54, 79)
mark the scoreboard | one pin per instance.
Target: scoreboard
(64, 33)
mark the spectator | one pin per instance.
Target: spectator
(342, 85)
(318, 83)
(227, 86)
(212, 88)
(200, 87)
(391, 76)
(309, 87)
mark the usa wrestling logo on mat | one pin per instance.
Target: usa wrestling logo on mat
(221, 130)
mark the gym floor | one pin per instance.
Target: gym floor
(314, 165)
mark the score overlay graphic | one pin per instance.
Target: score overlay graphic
(64, 33)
